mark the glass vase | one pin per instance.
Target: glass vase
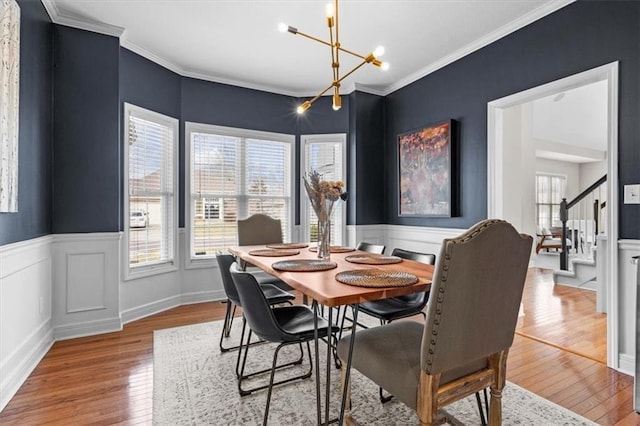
(324, 239)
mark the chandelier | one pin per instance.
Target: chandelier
(336, 48)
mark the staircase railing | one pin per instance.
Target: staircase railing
(588, 209)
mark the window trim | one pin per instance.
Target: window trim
(192, 127)
(322, 138)
(169, 265)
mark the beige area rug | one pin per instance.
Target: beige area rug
(195, 384)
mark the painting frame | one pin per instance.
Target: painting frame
(425, 160)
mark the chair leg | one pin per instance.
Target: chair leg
(384, 399)
(233, 315)
(274, 367)
(226, 327)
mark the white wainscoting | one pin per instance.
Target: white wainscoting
(627, 305)
(86, 294)
(416, 238)
(26, 331)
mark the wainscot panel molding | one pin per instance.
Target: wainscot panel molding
(627, 305)
(368, 233)
(194, 282)
(418, 238)
(86, 292)
(26, 331)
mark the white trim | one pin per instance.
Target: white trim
(627, 364)
(202, 296)
(495, 176)
(169, 265)
(629, 244)
(88, 236)
(340, 138)
(478, 44)
(80, 23)
(87, 328)
(27, 357)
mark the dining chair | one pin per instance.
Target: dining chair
(371, 248)
(463, 345)
(273, 295)
(260, 229)
(285, 325)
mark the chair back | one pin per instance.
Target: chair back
(259, 229)
(371, 248)
(256, 308)
(428, 258)
(475, 296)
(225, 262)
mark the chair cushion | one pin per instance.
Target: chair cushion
(297, 321)
(395, 307)
(390, 356)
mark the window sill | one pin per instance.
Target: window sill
(149, 270)
(201, 263)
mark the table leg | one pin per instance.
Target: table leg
(315, 342)
(329, 365)
(348, 367)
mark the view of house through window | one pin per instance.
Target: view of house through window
(150, 151)
(550, 189)
(232, 174)
(325, 154)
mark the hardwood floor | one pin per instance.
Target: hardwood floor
(108, 379)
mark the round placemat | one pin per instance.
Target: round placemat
(273, 252)
(376, 278)
(334, 249)
(304, 265)
(287, 245)
(373, 259)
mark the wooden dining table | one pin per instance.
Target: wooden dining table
(324, 289)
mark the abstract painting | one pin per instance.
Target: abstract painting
(425, 171)
(9, 90)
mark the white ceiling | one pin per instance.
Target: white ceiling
(238, 42)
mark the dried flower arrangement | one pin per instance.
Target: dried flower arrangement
(323, 193)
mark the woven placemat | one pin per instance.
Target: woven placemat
(334, 249)
(373, 259)
(287, 245)
(273, 252)
(376, 278)
(304, 265)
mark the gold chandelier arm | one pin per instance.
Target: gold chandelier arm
(336, 76)
(348, 74)
(320, 94)
(326, 43)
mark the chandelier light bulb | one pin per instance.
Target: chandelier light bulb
(384, 66)
(337, 102)
(379, 51)
(302, 108)
(282, 27)
(329, 10)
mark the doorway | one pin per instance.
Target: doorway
(505, 190)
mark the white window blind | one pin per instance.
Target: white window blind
(550, 189)
(150, 149)
(325, 154)
(234, 173)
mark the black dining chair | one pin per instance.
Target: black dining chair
(371, 248)
(273, 295)
(285, 325)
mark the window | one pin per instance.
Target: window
(550, 190)
(325, 154)
(150, 151)
(232, 174)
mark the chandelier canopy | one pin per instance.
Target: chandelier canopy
(336, 48)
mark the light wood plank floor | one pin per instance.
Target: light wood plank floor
(108, 379)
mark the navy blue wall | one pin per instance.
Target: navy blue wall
(578, 37)
(366, 159)
(35, 132)
(87, 172)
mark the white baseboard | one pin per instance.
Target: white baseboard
(19, 365)
(627, 364)
(202, 296)
(87, 328)
(149, 309)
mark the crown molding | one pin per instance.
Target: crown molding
(76, 22)
(501, 32)
(119, 32)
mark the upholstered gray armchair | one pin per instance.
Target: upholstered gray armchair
(471, 317)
